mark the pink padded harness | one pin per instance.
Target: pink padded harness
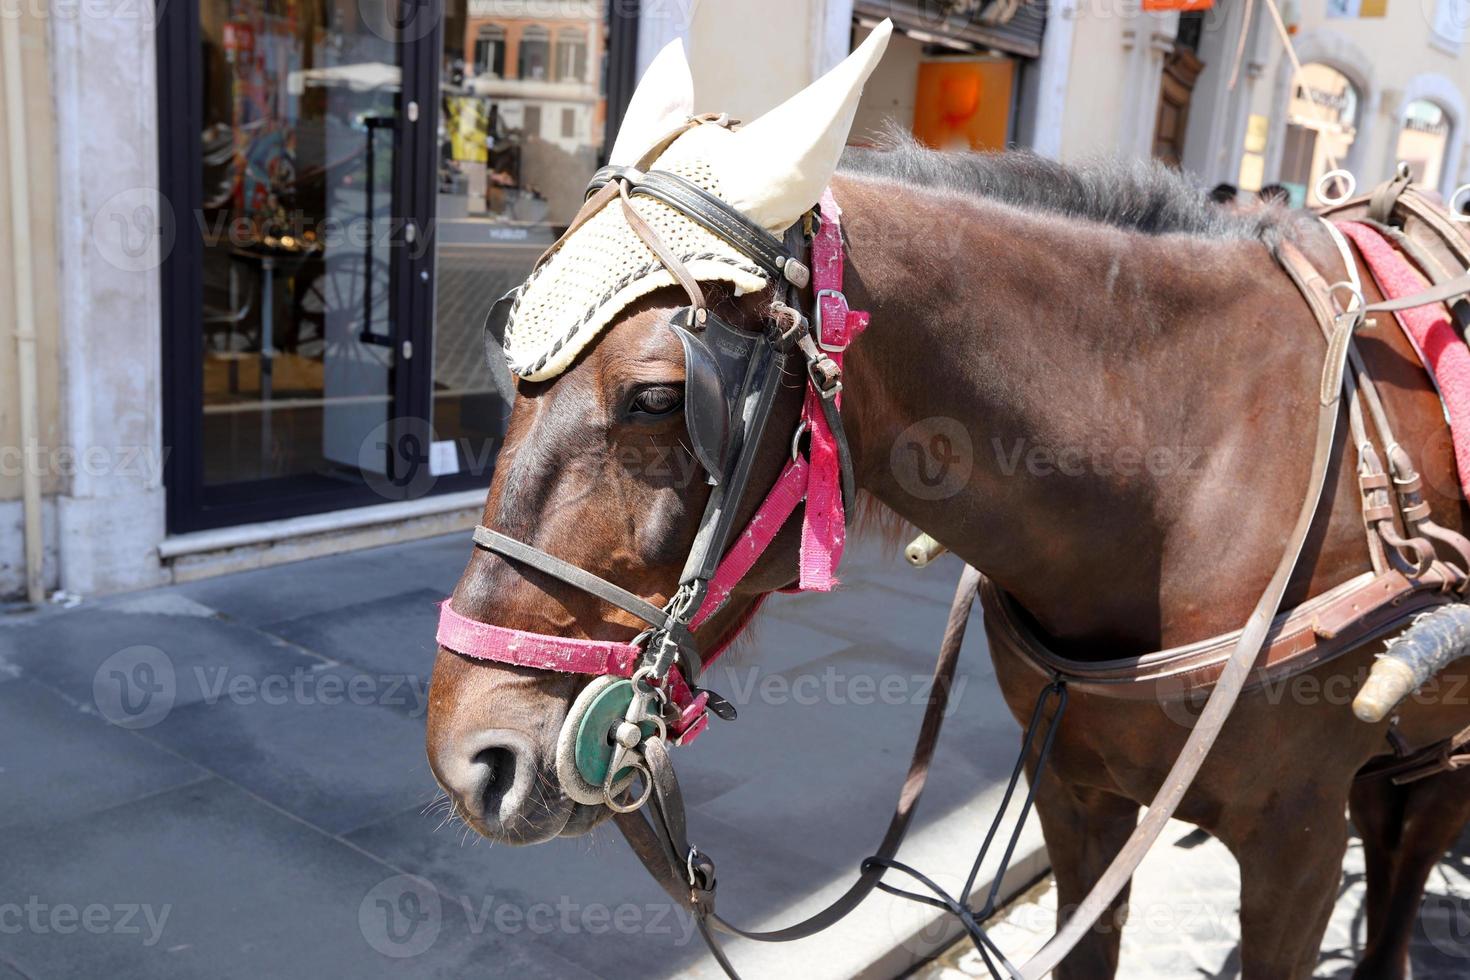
(1441, 350)
(815, 480)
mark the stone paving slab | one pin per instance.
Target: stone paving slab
(1183, 919)
(56, 759)
(336, 747)
(248, 751)
(353, 634)
(134, 668)
(205, 881)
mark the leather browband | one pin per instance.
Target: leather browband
(696, 203)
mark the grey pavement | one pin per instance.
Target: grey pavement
(1183, 918)
(227, 778)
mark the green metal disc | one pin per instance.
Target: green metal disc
(594, 748)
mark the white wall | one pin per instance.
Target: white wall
(111, 520)
(750, 56)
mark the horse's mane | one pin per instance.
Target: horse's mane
(1138, 195)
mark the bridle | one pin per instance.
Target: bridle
(645, 689)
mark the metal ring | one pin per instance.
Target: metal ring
(801, 428)
(573, 783)
(1454, 210)
(1324, 181)
(1403, 171)
(642, 674)
(609, 793)
(1354, 293)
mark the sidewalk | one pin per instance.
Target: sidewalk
(1183, 918)
(261, 806)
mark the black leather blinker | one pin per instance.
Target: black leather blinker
(716, 362)
(495, 323)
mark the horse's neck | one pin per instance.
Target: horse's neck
(1077, 410)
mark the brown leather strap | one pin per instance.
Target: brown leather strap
(656, 245)
(608, 191)
(1442, 293)
(1451, 232)
(1318, 631)
(1385, 197)
(1442, 756)
(667, 140)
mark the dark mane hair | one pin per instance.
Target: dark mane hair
(1139, 195)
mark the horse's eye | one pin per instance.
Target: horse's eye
(657, 400)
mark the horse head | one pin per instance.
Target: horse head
(653, 409)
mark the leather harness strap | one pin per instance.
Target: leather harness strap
(1324, 627)
(1443, 756)
(661, 843)
(579, 578)
(1441, 293)
(670, 261)
(1233, 675)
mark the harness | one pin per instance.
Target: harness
(1407, 579)
(645, 692)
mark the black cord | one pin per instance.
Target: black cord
(958, 907)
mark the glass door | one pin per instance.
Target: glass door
(362, 179)
(288, 372)
(298, 352)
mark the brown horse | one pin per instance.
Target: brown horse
(1136, 380)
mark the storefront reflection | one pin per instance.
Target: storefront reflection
(522, 123)
(299, 103)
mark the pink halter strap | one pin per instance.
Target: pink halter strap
(817, 480)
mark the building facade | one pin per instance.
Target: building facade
(1381, 81)
(260, 236)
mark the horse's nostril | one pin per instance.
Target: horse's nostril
(499, 780)
(492, 774)
(501, 784)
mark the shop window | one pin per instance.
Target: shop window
(535, 52)
(490, 51)
(301, 370)
(511, 176)
(1321, 124)
(1423, 139)
(571, 56)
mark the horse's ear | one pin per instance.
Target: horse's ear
(664, 98)
(777, 167)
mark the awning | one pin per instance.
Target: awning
(1013, 26)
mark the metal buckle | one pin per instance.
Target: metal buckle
(817, 318)
(628, 741)
(795, 271)
(689, 866)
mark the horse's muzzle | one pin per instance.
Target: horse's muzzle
(497, 781)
